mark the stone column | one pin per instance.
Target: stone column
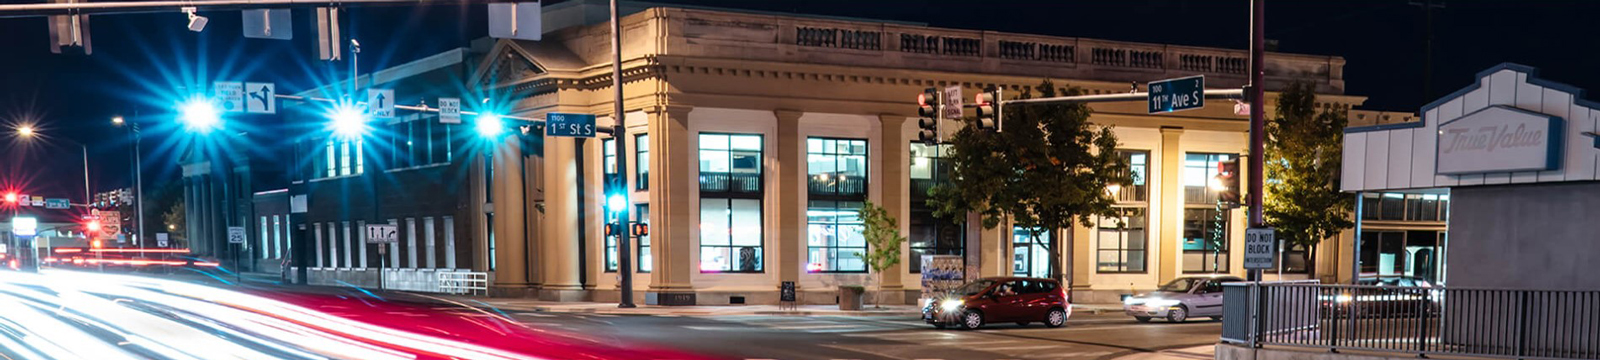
(791, 223)
(561, 221)
(1171, 204)
(511, 261)
(895, 200)
(672, 168)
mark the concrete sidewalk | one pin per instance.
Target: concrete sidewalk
(1203, 352)
(513, 304)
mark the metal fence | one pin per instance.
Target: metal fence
(1523, 324)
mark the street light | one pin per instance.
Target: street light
(27, 132)
(199, 115)
(138, 178)
(489, 125)
(347, 121)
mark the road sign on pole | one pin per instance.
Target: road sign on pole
(569, 125)
(381, 101)
(1177, 94)
(1259, 248)
(56, 203)
(950, 104)
(382, 234)
(259, 98)
(236, 235)
(161, 239)
(229, 95)
(268, 24)
(449, 110)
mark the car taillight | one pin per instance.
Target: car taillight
(1064, 297)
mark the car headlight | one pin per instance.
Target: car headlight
(1132, 301)
(951, 305)
(1163, 303)
(1342, 298)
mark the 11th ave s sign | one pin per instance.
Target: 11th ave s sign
(1177, 94)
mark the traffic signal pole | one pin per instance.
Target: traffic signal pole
(624, 236)
(1258, 9)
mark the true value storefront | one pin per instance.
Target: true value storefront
(1505, 169)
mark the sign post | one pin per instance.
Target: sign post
(237, 240)
(1179, 94)
(383, 235)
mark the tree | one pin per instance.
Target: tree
(1303, 164)
(1048, 170)
(882, 232)
(173, 222)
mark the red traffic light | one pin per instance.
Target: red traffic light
(11, 197)
(922, 99)
(93, 225)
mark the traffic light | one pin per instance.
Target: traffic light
(928, 116)
(11, 197)
(989, 111)
(641, 229)
(1227, 181)
(93, 226)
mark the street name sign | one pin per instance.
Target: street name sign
(382, 234)
(236, 235)
(229, 95)
(950, 104)
(381, 102)
(1179, 94)
(569, 125)
(56, 203)
(259, 98)
(1260, 248)
(449, 110)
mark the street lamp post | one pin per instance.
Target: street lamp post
(138, 178)
(27, 132)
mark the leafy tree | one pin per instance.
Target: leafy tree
(173, 222)
(1302, 164)
(882, 232)
(1048, 170)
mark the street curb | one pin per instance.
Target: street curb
(700, 313)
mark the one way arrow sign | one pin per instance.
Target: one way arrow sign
(381, 102)
(259, 98)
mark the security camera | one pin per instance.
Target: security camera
(197, 23)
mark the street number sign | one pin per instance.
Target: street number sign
(1260, 248)
(381, 103)
(229, 95)
(950, 105)
(449, 110)
(382, 234)
(569, 125)
(236, 235)
(1177, 94)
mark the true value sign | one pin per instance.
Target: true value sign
(1499, 139)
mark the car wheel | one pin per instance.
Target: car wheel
(971, 320)
(1056, 318)
(1178, 314)
(1143, 319)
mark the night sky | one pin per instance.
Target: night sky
(140, 62)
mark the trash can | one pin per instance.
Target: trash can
(850, 297)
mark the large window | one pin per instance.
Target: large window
(641, 214)
(641, 179)
(1200, 177)
(1029, 258)
(419, 142)
(930, 235)
(1121, 242)
(1405, 207)
(1407, 253)
(730, 203)
(1205, 240)
(340, 158)
(837, 178)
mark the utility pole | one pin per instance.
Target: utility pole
(624, 237)
(1257, 100)
(1427, 7)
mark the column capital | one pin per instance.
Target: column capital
(788, 114)
(892, 121)
(1174, 130)
(669, 110)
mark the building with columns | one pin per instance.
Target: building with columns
(753, 138)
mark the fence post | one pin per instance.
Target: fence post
(1256, 325)
(1422, 325)
(1522, 325)
(1333, 315)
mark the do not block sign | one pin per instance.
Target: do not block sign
(1260, 248)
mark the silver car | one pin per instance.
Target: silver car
(1180, 299)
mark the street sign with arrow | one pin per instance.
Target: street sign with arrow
(259, 98)
(381, 102)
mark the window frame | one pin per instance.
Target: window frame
(838, 199)
(641, 158)
(919, 211)
(1225, 252)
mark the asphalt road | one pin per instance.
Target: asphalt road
(1086, 336)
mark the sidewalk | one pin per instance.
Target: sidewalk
(514, 304)
(1203, 352)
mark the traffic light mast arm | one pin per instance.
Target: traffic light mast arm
(1219, 94)
(424, 108)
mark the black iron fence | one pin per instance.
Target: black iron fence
(1416, 320)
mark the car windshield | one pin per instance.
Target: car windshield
(973, 288)
(1180, 285)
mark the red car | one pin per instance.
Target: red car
(1000, 299)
